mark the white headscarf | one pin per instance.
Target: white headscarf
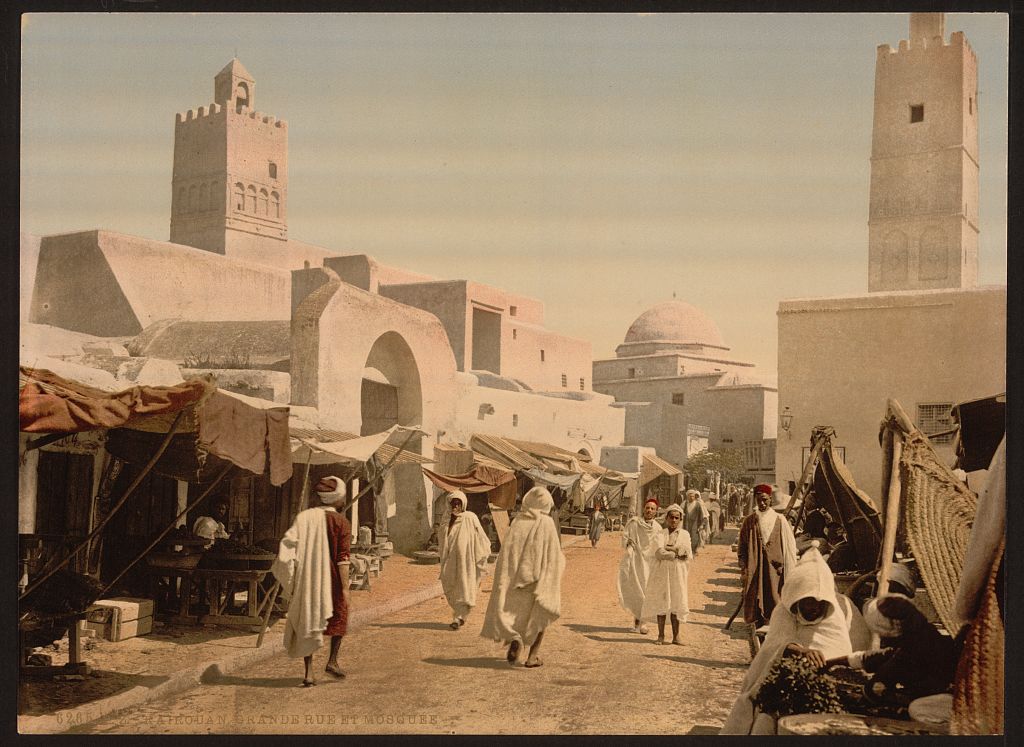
(537, 502)
(330, 497)
(458, 494)
(676, 508)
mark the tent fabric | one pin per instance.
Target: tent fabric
(982, 427)
(331, 439)
(836, 492)
(48, 403)
(654, 467)
(254, 439)
(549, 479)
(499, 484)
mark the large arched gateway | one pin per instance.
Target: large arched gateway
(391, 393)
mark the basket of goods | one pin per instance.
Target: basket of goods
(232, 555)
(48, 611)
(794, 685)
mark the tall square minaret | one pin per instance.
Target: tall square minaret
(923, 212)
(230, 179)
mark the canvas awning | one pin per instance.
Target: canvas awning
(498, 483)
(250, 433)
(503, 452)
(338, 443)
(347, 448)
(654, 467)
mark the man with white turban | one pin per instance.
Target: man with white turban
(312, 566)
(666, 586)
(465, 548)
(527, 589)
(811, 620)
(766, 551)
(637, 539)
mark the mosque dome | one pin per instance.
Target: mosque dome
(675, 321)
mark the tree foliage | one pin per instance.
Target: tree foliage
(729, 462)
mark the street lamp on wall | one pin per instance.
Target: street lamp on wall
(786, 420)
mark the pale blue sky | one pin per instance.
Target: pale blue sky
(597, 162)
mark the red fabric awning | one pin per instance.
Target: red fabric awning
(500, 484)
(48, 403)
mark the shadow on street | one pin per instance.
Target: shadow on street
(701, 662)
(475, 662)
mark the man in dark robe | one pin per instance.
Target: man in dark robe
(766, 551)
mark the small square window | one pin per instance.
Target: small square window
(917, 112)
(515, 420)
(970, 105)
(515, 333)
(542, 356)
(936, 419)
(679, 398)
(512, 310)
(631, 373)
(273, 170)
(565, 381)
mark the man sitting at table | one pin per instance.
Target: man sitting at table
(212, 527)
(811, 620)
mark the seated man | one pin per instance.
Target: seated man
(811, 620)
(212, 527)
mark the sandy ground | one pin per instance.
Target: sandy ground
(149, 660)
(409, 673)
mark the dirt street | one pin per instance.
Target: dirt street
(410, 674)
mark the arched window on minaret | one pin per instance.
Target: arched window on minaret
(263, 202)
(932, 258)
(204, 197)
(192, 198)
(241, 95)
(250, 199)
(275, 204)
(239, 196)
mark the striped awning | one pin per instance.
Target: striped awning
(654, 467)
(502, 451)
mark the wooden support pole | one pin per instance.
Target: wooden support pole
(892, 517)
(121, 501)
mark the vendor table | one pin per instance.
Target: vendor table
(218, 586)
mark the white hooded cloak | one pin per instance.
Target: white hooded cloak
(838, 633)
(465, 548)
(637, 539)
(303, 566)
(527, 592)
(666, 585)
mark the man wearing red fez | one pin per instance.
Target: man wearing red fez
(766, 552)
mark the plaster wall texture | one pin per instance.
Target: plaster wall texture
(28, 258)
(570, 424)
(660, 426)
(840, 359)
(923, 215)
(624, 458)
(363, 271)
(447, 300)
(691, 386)
(737, 414)
(131, 282)
(339, 330)
(409, 528)
(270, 385)
(563, 356)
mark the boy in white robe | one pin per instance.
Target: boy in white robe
(811, 620)
(464, 552)
(637, 540)
(665, 594)
(527, 590)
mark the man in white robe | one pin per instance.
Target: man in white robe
(666, 585)
(811, 620)
(634, 568)
(527, 590)
(464, 552)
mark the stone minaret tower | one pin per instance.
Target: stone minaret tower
(230, 181)
(923, 213)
